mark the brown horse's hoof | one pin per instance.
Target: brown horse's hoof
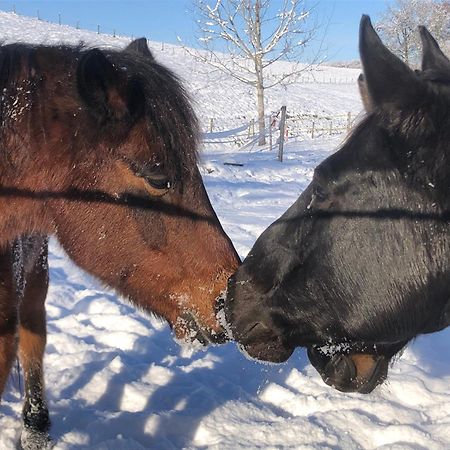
(35, 440)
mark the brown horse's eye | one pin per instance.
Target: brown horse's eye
(158, 181)
(153, 175)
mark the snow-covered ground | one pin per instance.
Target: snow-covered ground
(117, 380)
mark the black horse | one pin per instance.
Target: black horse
(360, 264)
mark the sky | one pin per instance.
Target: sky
(164, 20)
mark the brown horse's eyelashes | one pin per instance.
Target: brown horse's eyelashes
(135, 182)
(153, 173)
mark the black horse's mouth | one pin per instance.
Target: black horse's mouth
(268, 352)
(260, 342)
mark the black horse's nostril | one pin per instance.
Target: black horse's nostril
(339, 371)
(256, 332)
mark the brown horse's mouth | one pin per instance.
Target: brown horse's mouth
(192, 331)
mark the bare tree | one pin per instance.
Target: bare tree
(398, 25)
(254, 34)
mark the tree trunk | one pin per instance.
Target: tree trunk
(261, 114)
(257, 39)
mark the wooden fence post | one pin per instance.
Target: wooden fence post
(270, 133)
(331, 127)
(98, 29)
(251, 128)
(211, 125)
(282, 123)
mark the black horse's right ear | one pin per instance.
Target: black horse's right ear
(102, 87)
(391, 84)
(432, 56)
(140, 47)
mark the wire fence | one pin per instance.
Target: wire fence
(58, 19)
(316, 125)
(299, 125)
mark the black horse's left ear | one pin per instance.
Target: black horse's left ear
(432, 56)
(391, 84)
(140, 47)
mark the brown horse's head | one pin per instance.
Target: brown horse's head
(100, 148)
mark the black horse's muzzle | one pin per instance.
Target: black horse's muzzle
(357, 372)
(251, 324)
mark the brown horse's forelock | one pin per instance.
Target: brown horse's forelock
(167, 108)
(168, 111)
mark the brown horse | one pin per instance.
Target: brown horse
(99, 148)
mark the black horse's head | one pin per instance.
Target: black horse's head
(360, 263)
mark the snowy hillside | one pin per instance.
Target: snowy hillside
(116, 380)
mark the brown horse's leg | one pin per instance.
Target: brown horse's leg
(32, 337)
(8, 317)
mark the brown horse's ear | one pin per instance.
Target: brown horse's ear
(391, 84)
(105, 89)
(432, 56)
(140, 47)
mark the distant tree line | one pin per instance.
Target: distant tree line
(398, 26)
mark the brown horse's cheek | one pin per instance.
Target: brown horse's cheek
(152, 229)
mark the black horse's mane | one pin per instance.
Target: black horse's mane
(167, 106)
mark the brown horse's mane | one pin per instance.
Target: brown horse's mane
(166, 105)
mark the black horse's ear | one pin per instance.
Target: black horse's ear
(102, 87)
(391, 84)
(432, 56)
(140, 47)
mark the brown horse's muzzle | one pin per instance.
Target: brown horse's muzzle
(188, 328)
